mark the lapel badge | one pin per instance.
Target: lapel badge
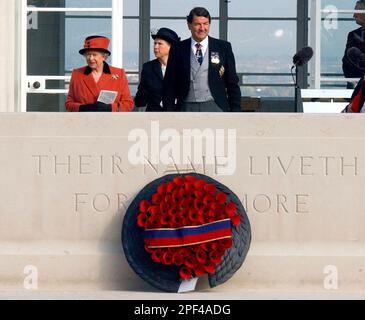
(221, 71)
(214, 57)
(115, 76)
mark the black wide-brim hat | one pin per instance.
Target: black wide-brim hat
(166, 278)
(166, 34)
(98, 43)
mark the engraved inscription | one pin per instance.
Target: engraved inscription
(303, 166)
(277, 203)
(100, 202)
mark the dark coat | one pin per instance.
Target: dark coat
(223, 82)
(356, 39)
(150, 87)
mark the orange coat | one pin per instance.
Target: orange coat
(84, 90)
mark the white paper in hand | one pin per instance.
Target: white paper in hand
(107, 97)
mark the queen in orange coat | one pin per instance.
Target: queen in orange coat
(87, 82)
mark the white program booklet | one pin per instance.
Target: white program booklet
(107, 97)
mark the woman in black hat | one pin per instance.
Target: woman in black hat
(151, 84)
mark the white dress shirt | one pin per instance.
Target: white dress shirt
(204, 45)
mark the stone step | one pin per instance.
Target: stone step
(102, 266)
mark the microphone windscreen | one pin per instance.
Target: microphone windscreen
(303, 56)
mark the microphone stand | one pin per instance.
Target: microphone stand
(298, 104)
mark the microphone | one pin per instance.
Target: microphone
(302, 56)
(356, 57)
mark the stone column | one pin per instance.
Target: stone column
(8, 55)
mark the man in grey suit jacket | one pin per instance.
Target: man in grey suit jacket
(201, 71)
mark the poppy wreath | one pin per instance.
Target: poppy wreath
(184, 226)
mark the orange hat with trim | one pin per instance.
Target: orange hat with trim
(96, 43)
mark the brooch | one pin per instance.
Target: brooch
(115, 76)
(221, 71)
(214, 57)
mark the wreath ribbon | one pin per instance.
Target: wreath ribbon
(190, 235)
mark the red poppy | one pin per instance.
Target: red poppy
(213, 246)
(213, 205)
(198, 194)
(184, 222)
(193, 216)
(176, 222)
(183, 193)
(144, 205)
(221, 197)
(185, 203)
(170, 187)
(175, 197)
(161, 189)
(226, 243)
(190, 178)
(199, 184)
(178, 259)
(165, 220)
(156, 198)
(167, 258)
(201, 219)
(231, 209)
(205, 246)
(179, 181)
(189, 186)
(236, 220)
(153, 223)
(153, 210)
(168, 200)
(164, 207)
(220, 210)
(211, 214)
(207, 200)
(157, 255)
(190, 261)
(221, 249)
(199, 271)
(201, 256)
(185, 273)
(184, 252)
(184, 213)
(215, 257)
(198, 204)
(173, 212)
(210, 189)
(141, 220)
(209, 267)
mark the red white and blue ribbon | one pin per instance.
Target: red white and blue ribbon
(185, 236)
